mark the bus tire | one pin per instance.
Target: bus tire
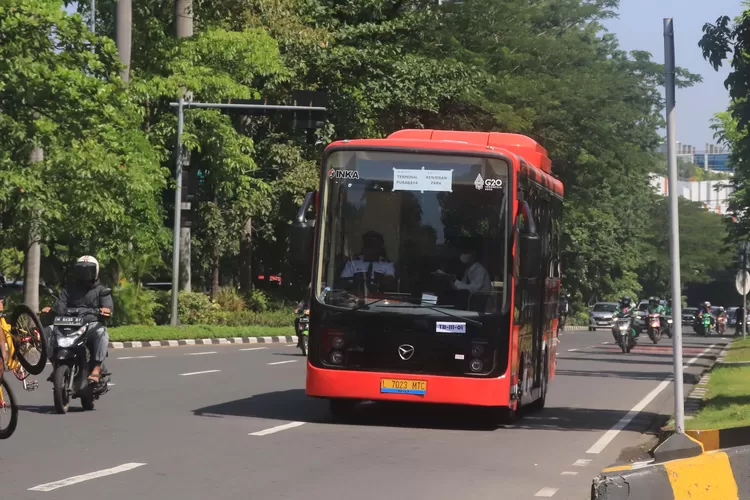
(539, 404)
(342, 409)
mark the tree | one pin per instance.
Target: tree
(97, 188)
(719, 41)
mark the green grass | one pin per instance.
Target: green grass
(728, 396)
(142, 333)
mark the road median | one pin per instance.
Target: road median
(166, 336)
(719, 475)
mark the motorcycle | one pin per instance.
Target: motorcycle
(622, 330)
(721, 325)
(654, 327)
(669, 327)
(704, 325)
(71, 360)
(302, 324)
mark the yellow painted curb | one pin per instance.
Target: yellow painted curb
(705, 477)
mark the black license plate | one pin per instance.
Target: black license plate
(68, 321)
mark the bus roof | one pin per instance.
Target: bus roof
(537, 164)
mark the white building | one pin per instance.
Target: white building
(713, 195)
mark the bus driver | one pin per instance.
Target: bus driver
(372, 263)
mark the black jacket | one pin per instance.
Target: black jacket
(81, 296)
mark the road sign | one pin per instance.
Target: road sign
(742, 288)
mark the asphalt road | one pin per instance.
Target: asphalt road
(193, 423)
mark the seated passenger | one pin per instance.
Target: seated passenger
(372, 263)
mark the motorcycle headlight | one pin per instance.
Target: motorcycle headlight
(69, 340)
(623, 327)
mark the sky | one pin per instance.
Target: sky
(640, 27)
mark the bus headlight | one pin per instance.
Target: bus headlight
(476, 365)
(337, 357)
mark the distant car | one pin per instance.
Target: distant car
(688, 315)
(601, 314)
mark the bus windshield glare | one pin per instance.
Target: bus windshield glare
(402, 232)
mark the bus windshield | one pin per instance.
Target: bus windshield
(408, 231)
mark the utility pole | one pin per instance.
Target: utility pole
(184, 29)
(124, 34)
(33, 252)
(92, 19)
(674, 229)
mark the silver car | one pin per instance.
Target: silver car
(601, 314)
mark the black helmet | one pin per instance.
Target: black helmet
(653, 301)
(625, 300)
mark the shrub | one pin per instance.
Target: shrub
(258, 301)
(247, 318)
(134, 305)
(229, 299)
(195, 308)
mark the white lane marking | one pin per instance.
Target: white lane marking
(199, 353)
(608, 436)
(572, 350)
(291, 345)
(568, 473)
(278, 428)
(109, 384)
(48, 363)
(85, 477)
(582, 462)
(546, 492)
(283, 362)
(198, 373)
(137, 357)
(252, 349)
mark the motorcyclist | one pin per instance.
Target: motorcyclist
(740, 318)
(625, 309)
(301, 310)
(668, 309)
(655, 307)
(703, 311)
(721, 315)
(86, 291)
(563, 308)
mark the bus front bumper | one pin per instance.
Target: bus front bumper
(362, 385)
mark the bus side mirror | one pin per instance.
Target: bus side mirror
(302, 236)
(530, 255)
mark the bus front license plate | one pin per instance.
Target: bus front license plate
(401, 386)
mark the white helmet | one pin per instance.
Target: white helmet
(86, 269)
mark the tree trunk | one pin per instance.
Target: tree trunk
(184, 29)
(124, 34)
(33, 252)
(216, 274)
(184, 18)
(246, 257)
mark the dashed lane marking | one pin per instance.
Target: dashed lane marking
(546, 492)
(198, 373)
(278, 428)
(253, 349)
(582, 462)
(568, 473)
(199, 353)
(283, 362)
(86, 477)
(136, 357)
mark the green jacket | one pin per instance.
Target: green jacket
(659, 309)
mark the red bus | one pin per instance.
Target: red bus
(436, 272)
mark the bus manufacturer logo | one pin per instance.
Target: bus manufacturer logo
(406, 351)
(343, 174)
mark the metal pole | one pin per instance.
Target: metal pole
(674, 229)
(92, 21)
(177, 215)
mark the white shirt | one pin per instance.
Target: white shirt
(360, 265)
(476, 279)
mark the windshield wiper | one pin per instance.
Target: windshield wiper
(440, 310)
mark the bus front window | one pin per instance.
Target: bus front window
(407, 228)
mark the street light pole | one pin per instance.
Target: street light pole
(92, 20)
(674, 230)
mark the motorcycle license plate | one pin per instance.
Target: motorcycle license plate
(402, 386)
(68, 321)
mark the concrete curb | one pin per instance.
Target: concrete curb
(720, 475)
(285, 339)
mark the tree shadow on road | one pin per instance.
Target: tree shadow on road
(295, 405)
